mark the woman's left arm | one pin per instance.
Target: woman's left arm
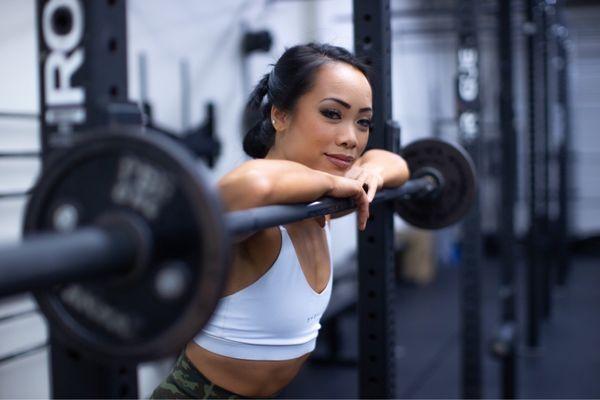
(378, 169)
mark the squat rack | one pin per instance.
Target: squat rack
(78, 42)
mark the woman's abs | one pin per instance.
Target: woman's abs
(245, 377)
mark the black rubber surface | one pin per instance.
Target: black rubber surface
(566, 366)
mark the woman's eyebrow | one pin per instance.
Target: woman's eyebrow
(346, 105)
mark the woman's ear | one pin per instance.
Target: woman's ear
(279, 119)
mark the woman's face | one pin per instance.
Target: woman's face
(328, 128)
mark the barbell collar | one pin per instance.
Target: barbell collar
(255, 219)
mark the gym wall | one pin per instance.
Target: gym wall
(25, 376)
(585, 80)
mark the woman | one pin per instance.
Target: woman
(317, 112)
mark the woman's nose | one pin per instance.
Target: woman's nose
(347, 137)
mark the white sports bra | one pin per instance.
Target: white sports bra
(275, 318)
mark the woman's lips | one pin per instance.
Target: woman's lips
(340, 160)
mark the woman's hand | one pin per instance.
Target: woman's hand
(350, 188)
(366, 176)
(390, 167)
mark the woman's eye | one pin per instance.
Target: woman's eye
(332, 114)
(366, 123)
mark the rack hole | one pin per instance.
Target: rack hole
(73, 354)
(124, 390)
(112, 45)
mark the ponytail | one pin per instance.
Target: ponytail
(261, 136)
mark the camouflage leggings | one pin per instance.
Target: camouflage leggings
(186, 382)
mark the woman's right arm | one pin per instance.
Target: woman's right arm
(266, 182)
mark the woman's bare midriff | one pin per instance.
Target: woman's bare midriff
(265, 378)
(245, 377)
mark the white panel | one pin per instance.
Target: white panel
(25, 377)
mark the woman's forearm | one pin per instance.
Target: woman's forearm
(392, 168)
(264, 182)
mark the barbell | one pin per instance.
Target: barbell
(127, 248)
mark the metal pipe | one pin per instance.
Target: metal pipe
(48, 259)
(93, 252)
(255, 219)
(508, 370)
(533, 262)
(13, 195)
(19, 115)
(21, 154)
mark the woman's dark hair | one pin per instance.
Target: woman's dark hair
(292, 76)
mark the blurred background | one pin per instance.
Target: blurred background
(187, 54)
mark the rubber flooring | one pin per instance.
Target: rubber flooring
(566, 364)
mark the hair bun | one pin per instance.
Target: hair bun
(259, 139)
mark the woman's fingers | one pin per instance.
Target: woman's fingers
(362, 203)
(347, 187)
(372, 184)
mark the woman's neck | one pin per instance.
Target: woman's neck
(274, 154)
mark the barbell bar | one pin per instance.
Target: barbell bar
(256, 219)
(112, 250)
(132, 249)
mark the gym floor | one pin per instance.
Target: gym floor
(565, 366)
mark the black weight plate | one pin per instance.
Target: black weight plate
(155, 312)
(459, 184)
